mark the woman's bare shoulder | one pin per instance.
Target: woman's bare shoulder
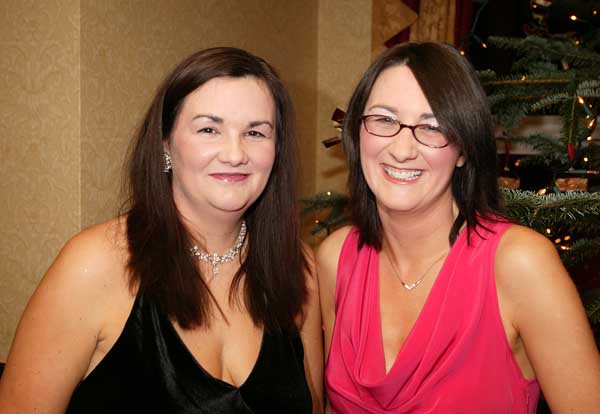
(526, 258)
(327, 258)
(65, 319)
(329, 250)
(95, 255)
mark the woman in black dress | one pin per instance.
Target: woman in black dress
(201, 298)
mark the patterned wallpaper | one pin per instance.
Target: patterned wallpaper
(75, 77)
(40, 146)
(344, 54)
(127, 48)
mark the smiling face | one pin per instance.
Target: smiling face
(404, 175)
(222, 146)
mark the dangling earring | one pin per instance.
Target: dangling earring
(168, 162)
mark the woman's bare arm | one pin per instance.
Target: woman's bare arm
(549, 318)
(312, 336)
(60, 327)
(327, 262)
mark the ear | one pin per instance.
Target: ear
(460, 161)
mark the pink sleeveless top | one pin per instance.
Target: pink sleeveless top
(456, 358)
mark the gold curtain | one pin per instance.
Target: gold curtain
(389, 18)
(435, 21)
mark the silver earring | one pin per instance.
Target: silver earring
(168, 162)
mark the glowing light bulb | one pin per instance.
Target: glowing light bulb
(483, 45)
(589, 138)
(580, 100)
(573, 17)
(548, 231)
(591, 124)
(316, 221)
(558, 240)
(328, 193)
(523, 77)
(462, 52)
(585, 159)
(567, 238)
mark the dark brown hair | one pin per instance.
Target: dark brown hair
(459, 104)
(160, 260)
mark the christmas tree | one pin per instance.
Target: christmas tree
(552, 75)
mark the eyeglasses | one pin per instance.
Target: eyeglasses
(385, 126)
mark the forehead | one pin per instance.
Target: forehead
(397, 87)
(248, 96)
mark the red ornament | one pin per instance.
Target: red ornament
(571, 151)
(507, 146)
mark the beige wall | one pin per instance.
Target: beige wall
(40, 145)
(344, 54)
(128, 47)
(76, 76)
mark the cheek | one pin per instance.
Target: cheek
(264, 156)
(369, 150)
(445, 161)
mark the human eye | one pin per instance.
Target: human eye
(432, 129)
(256, 134)
(207, 130)
(383, 120)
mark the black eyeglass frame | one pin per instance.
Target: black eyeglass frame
(400, 127)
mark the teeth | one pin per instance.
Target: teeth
(402, 174)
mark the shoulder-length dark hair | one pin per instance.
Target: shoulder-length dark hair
(160, 262)
(459, 104)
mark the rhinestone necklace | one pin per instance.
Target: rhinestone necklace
(216, 259)
(411, 286)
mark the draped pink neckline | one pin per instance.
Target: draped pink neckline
(442, 349)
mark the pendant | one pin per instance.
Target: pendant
(410, 286)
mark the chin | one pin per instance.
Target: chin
(231, 206)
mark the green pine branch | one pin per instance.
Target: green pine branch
(541, 211)
(550, 151)
(324, 200)
(558, 98)
(537, 47)
(592, 308)
(580, 251)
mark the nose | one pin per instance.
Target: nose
(403, 146)
(233, 151)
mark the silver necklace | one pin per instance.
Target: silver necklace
(215, 259)
(411, 286)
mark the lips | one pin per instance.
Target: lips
(403, 174)
(230, 177)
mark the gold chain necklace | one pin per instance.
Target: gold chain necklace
(411, 286)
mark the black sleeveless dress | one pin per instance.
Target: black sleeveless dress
(150, 370)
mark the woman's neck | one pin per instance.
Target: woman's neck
(214, 233)
(417, 236)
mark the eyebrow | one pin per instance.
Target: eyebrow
(259, 123)
(214, 118)
(424, 116)
(387, 108)
(220, 120)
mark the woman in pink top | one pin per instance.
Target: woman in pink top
(432, 302)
